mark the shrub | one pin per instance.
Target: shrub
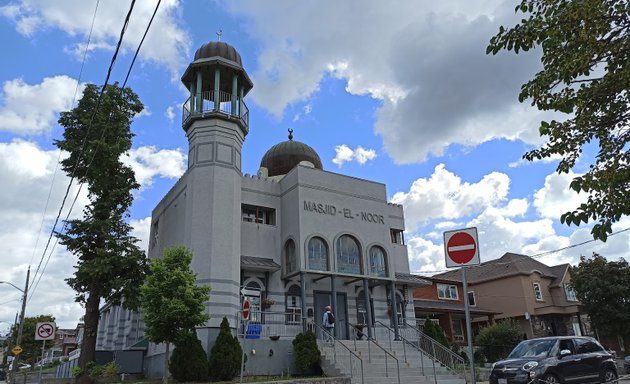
(307, 353)
(226, 354)
(434, 331)
(496, 341)
(189, 361)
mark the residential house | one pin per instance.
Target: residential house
(518, 287)
(443, 302)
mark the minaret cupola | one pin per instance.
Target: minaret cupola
(217, 83)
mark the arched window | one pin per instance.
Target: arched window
(377, 262)
(348, 255)
(290, 258)
(317, 254)
(294, 305)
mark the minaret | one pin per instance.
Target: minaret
(216, 121)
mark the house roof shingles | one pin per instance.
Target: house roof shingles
(510, 264)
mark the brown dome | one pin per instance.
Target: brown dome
(220, 49)
(283, 157)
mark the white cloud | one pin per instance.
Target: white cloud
(170, 113)
(556, 198)
(521, 162)
(141, 230)
(32, 109)
(427, 65)
(167, 43)
(444, 196)
(345, 154)
(149, 162)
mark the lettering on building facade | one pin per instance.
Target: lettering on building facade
(331, 210)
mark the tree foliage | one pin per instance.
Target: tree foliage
(434, 331)
(307, 354)
(226, 354)
(189, 361)
(172, 303)
(110, 264)
(498, 340)
(585, 75)
(603, 288)
(31, 348)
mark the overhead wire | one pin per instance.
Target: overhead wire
(103, 131)
(535, 256)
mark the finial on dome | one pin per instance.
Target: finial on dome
(290, 134)
(219, 34)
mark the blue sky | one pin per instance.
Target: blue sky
(394, 92)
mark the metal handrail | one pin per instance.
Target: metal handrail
(209, 101)
(382, 349)
(449, 359)
(335, 343)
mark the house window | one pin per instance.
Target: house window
(471, 299)
(447, 291)
(256, 214)
(377, 262)
(569, 293)
(290, 258)
(294, 305)
(397, 236)
(317, 254)
(348, 255)
(538, 292)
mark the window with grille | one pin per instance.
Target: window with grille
(317, 254)
(293, 308)
(348, 255)
(377, 262)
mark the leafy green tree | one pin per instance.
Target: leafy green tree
(110, 264)
(307, 354)
(434, 331)
(498, 340)
(586, 76)
(31, 348)
(603, 288)
(189, 361)
(172, 303)
(225, 356)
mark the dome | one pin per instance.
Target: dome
(283, 157)
(220, 49)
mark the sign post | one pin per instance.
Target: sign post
(461, 248)
(44, 331)
(246, 311)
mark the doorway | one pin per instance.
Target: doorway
(323, 299)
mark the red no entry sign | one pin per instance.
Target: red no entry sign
(461, 247)
(246, 309)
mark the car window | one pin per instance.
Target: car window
(587, 346)
(532, 348)
(566, 344)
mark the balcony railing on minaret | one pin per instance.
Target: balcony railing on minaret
(215, 102)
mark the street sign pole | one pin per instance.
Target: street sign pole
(41, 362)
(468, 327)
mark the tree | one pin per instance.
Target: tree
(31, 348)
(434, 331)
(226, 354)
(603, 288)
(586, 76)
(497, 340)
(110, 265)
(189, 361)
(307, 354)
(172, 304)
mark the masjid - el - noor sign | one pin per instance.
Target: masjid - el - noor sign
(328, 209)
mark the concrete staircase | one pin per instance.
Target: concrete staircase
(382, 365)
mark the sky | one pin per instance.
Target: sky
(399, 92)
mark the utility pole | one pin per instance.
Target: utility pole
(18, 341)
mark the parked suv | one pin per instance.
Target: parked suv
(562, 359)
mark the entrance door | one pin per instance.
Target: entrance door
(323, 299)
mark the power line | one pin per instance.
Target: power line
(81, 151)
(535, 256)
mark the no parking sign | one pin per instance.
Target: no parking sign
(45, 331)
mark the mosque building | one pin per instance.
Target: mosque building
(291, 239)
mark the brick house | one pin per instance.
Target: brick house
(443, 302)
(523, 289)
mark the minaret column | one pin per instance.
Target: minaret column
(217, 82)
(198, 90)
(234, 94)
